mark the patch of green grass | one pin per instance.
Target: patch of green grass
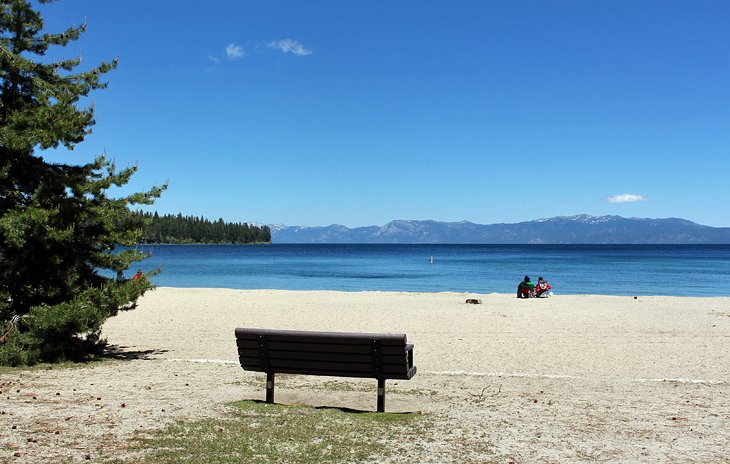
(8, 370)
(52, 366)
(264, 433)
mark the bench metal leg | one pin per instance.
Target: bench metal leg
(381, 395)
(269, 387)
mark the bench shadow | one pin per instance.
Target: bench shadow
(125, 353)
(358, 411)
(339, 408)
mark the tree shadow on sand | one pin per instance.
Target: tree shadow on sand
(125, 353)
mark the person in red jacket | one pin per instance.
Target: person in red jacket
(542, 289)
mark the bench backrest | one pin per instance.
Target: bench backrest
(373, 355)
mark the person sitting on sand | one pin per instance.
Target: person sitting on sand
(526, 289)
(542, 289)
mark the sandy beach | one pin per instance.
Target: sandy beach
(567, 379)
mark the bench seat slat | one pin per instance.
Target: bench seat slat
(251, 363)
(406, 375)
(343, 338)
(400, 358)
(366, 370)
(334, 341)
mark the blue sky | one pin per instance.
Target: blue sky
(358, 113)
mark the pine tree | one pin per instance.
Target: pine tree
(58, 225)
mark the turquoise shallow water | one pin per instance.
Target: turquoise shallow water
(681, 270)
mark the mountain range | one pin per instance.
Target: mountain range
(579, 229)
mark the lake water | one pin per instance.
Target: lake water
(681, 270)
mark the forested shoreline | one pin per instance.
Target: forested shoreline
(179, 229)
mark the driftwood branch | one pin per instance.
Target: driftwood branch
(481, 395)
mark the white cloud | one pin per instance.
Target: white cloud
(234, 52)
(626, 198)
(214, 59)
(289, 46)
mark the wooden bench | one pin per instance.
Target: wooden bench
(338, 354)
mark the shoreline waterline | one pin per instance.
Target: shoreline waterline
(420, 292)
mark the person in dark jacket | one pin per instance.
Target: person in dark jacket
(526, 289)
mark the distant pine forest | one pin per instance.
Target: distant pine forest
(179, 229)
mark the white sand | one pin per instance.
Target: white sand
(565, 379)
